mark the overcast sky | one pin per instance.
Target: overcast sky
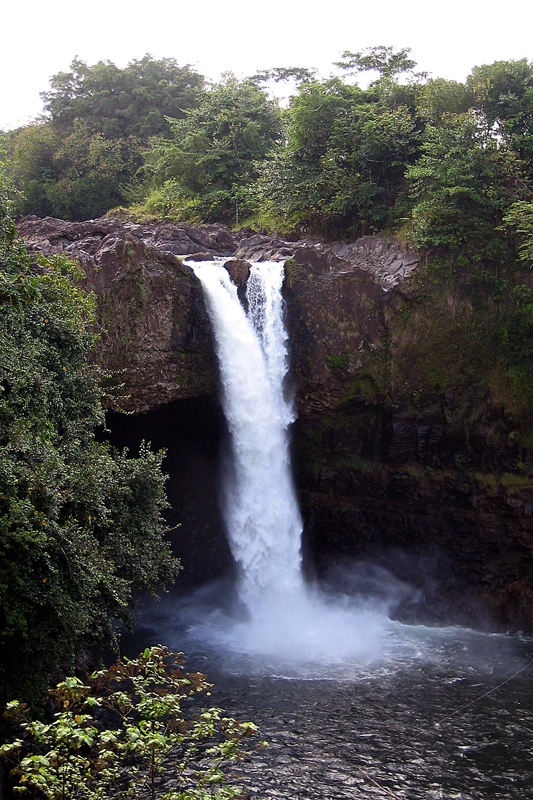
(446, 38)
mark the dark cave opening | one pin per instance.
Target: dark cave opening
(193, 433)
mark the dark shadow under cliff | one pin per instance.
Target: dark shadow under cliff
(192, 432)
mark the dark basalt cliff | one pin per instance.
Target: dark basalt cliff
(156, 334)
(402, 453)
(393, 463)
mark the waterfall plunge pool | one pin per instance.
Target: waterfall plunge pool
(434, 713)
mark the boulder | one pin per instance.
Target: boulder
(239, 270)
(200, 257)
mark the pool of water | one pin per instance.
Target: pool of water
(433, 713)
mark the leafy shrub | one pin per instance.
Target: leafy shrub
(80, 524)
(116, 734)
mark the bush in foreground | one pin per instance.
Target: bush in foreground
(81, 525)
(116, 734)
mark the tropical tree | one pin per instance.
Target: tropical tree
(78, 176)
(387, 62)
(215, 149)
(133, 101)
(84, 155)
(519, 220)
(439, 97)
(461, 186)
(504, 95)
(342, 170)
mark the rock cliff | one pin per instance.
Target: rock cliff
(156, 337)
(404, 449)
(403, 457)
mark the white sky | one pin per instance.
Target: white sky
(447, 38)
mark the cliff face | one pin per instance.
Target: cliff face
(406, 448)
(403, 452)
(156, 334)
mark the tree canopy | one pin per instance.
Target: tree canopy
(118, 103)
(441, 161)
(462, 184)
(343, 167)
(383, 60)
(84, 155)
(215, 149)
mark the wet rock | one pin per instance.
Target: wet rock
(239, 270)
(388, 263)
(200, 257)
(156, 337)
(153, 311)
(404, 438)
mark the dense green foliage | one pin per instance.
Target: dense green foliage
(343, 167)
(77, 175)
(153, 727)
(440, 161)
(213, 156)
(122, 102)
(519, 218)
(503, 94)
(83, 156)
(462, 184)
(80, 524)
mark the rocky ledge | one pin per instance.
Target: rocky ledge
(156, 335)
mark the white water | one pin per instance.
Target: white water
(261, 512)
(286, 618)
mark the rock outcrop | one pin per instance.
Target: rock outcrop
(394, 459)
(239, 270)
(156, 336)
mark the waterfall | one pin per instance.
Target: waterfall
(261, 512)
(288, 621)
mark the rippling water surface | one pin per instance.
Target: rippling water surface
(438, 713)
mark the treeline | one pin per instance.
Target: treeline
(85, 154)
(449, 164)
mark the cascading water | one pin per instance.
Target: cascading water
(261, 512)
(286, 617)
